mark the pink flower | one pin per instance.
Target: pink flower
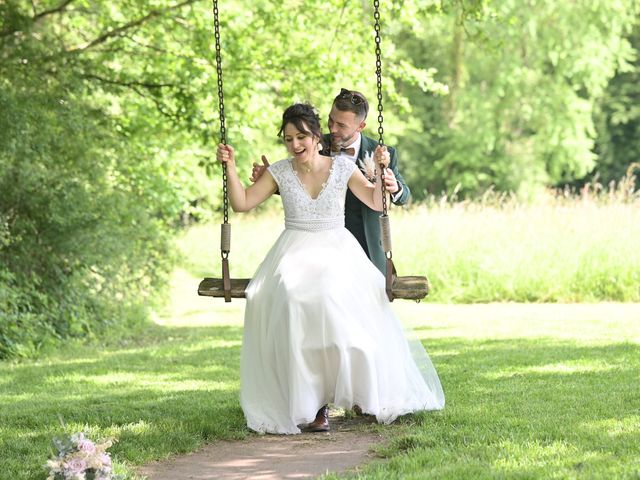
(86, 446)
(106, 460)
(75, 465)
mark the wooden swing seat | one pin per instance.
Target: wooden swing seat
(406, 287)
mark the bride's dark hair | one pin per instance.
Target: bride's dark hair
(304, 117)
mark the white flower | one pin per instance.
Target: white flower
(106, 460)
(54, 465)
(369, 167)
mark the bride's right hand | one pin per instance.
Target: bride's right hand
(226, 154)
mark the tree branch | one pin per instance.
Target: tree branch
(59, 9)
(142, 89)
(127, 26)
(166, 52)
(147, 85)
(38, 16)
(159, 105)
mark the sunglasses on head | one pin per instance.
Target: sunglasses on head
(355, 98)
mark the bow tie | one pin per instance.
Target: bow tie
(348, 151)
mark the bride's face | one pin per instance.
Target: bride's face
(300, 145)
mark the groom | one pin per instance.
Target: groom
(347, 119)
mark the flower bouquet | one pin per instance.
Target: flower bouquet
(79, 458)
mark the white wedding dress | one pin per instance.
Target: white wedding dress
(318, 325)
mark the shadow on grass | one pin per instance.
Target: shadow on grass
(523, 408)
(169, 394)
(179, 389)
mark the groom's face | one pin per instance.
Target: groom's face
(344, 127)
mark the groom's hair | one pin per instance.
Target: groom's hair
(352, 101)
(304, 117)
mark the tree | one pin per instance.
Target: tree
(89, 195)
(524, 79)
(108, 116)
(618, 121)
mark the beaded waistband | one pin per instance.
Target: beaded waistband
(314, 224)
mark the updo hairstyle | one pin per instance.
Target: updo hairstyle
(304, 117)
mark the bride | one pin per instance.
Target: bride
(318, 326)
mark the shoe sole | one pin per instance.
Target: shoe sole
(308, 429)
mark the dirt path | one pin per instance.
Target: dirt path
(271, 457)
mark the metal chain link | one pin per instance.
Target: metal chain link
(223, 128)
(376, 16)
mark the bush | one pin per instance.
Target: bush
(85, 223)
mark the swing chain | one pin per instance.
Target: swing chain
(225, 228)
(223, 128)
(385, 230)
(376, 16)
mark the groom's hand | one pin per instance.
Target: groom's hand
(258, 170)
(390, 182)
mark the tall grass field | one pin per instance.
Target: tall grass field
(559, 249)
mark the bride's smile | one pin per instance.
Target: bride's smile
(302, 146)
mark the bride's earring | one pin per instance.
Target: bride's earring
(319, 146)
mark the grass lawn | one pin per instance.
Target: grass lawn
(533, 391)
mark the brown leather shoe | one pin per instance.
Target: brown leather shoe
(321, 423)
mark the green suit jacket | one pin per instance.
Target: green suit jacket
(360, 220)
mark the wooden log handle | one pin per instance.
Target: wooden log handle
(408, 288)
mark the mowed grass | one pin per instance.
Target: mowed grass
(167, 392)
(533, 391)
(554, 250)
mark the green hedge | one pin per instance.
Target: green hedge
(85, 223)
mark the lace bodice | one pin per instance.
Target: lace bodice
(302, 212)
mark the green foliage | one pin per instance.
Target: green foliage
(108, 120)
(618, 120)
(523, 85)
(86, 207)
(81, 250)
